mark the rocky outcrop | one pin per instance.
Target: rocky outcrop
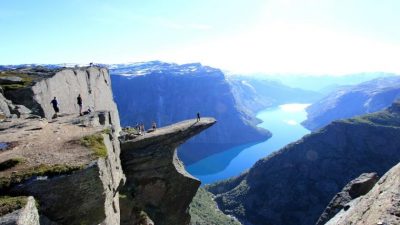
(71, 164)
(157, 91)
(356, 188)
(367, 97)
(379, 206)
(157, 183)
(294, 185)
(92, 83)
(27, 215)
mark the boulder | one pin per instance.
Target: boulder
(354, 189)
(11, 80)
(27, 215)
(380, 206)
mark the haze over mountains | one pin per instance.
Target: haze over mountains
(367, 97)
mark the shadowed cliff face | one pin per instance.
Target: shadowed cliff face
(157, 182)
(294, 185)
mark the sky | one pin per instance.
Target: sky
(241, 36)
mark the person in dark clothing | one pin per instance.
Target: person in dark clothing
(54, 102)
(79, 101)
(198, 117)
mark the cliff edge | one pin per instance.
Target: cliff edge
(157, 183)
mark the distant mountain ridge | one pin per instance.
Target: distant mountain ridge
(255, 94)
(367, 97)
(295, 184)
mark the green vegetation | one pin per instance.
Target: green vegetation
(26, 80)
(96, 143)
(107, 131)
(204, 211)
(383, 118)
(130, 130)
(10, 163)
(41, 170)
(10, 204)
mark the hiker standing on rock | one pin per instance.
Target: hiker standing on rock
(55, 106)
(154, 125)
(79, 101)
(198, 117)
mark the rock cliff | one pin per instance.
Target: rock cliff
(41, 85)
(157, 183)
(294, 185)
(381, 205)
(169, 93)
(70, 164)
(367, 97)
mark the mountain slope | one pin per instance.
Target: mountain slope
(167, 93)
(367, 97)
(294, 185)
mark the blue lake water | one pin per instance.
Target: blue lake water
(284, 123)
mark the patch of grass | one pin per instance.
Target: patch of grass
(9, 204)
(96, 143)
(41, 170)
(130, 130)
(204, 211)
(26, 80)
(107, 131)
(10, 163)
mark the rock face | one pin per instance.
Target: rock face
(28, 215)
(381, 205)
(356, 188)
(294, 185)
(93, 83)
(169, 93)
(157, 183)
(84, 189)
(367, 97)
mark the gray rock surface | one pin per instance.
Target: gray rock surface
(157, 182)
(294, 185)
(380, 206)
(93, 83)
(4, 109)
(356, 188)
(28, 215)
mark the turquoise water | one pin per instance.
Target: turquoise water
(284, 123)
